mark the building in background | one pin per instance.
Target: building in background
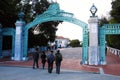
(62, 42)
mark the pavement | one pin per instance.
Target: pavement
(25, 73)
(71, 69)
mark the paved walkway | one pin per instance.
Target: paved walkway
(112, 67)
(113, 64)
(22, 73)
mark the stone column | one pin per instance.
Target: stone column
(93, 41)
(0, 40)
(18, 40)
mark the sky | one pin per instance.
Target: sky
(80, 9)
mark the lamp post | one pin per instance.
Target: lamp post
(21, 15)
(18, 52)
(93, 10)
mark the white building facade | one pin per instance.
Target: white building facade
(62, 42)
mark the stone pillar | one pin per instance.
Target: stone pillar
(93, 41)
(0, 40)
(18, 40)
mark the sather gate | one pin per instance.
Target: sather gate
(20, 36)
(92, 55)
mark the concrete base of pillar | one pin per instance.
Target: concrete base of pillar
(12, 58)
(22, 59)
(103, 63)
(93, 64)
(25, 58)
(15, 59)
(85, 62)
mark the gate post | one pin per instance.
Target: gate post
(0, 40)
(85, 46)
(93, 37)
(19, 38)
(13, 47)
(93, 41)
(102, 46)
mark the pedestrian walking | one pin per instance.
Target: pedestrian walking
(58, 59)
(43, 59)
(36, 58)
(50, 60)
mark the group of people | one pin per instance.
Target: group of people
(50, 58)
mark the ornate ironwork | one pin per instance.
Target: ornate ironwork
(9, 32)
(106, 29)
(52, 14)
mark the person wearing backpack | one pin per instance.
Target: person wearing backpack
(50, 60)
(58, 59)
(36, 58)
(43, 59)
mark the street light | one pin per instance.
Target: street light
(93, 10)
(21, 15)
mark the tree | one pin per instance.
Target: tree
(75, 43)
(115, 13)
(32, 8)
(103, 20)
(9, 14)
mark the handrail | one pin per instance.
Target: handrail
(114, 51)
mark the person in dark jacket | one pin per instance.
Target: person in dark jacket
(58, 59)
(36, 58)
(50, 60)
(43, 59)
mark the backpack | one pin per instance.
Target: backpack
(59, 57)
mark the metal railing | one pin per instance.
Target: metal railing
(114, 51)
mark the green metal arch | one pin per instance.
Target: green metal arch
(8, 31)
(57, 15)
(58, 18)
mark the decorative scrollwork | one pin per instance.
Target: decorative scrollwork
(112, 28)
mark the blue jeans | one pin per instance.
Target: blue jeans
(58, 68)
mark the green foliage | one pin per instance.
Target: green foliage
(112, 21)
(75, 43)
(103, 21)
(9, 10)
(115, 12)
(113, 40)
